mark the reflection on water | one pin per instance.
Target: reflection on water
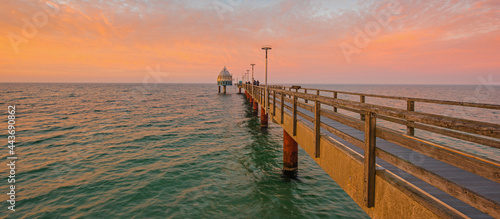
(101, 150)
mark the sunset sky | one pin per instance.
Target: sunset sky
(336, 41)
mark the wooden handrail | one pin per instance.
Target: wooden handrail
(471, 126)
(422, 100)
(442, 131)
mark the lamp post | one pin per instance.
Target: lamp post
(244, 82)
(252, 76)
(265, 99)
(249, 76)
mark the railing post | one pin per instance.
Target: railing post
(410, 106)
(262, 96)
(369, 173)
(258, 95)
(274, 103)
(305, 91)
(317, 92)
(334, 97)
(267, 101)
(282, 103)
(361, 114)
(317, 126)
(294, 115)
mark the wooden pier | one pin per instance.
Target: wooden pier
(373, 162)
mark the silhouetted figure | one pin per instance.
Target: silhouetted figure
(258, 82)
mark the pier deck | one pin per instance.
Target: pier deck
(413, 177)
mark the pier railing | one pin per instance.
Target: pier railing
(478, 132)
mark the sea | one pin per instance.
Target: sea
(177, 151)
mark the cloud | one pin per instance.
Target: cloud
(189, 36)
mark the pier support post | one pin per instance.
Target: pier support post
(263, 118)
(224, 89)
(239, 90)
(290, 154)
(219, 89)
(255, 107)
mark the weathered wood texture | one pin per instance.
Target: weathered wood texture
(449, 177)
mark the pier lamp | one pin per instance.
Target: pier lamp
(266, 91)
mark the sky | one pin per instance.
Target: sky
(328, 42)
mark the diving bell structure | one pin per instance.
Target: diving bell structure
(224, 79)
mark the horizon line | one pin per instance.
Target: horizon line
(287, 83)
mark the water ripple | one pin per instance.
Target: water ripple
(181, 151)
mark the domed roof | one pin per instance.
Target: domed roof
(224, 72)
(224, 77)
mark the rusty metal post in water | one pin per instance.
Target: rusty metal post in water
(290, 154)
(263, 118)
(255, 107)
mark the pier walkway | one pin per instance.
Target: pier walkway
(393, 162)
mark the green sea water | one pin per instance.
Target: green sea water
(167, 151)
